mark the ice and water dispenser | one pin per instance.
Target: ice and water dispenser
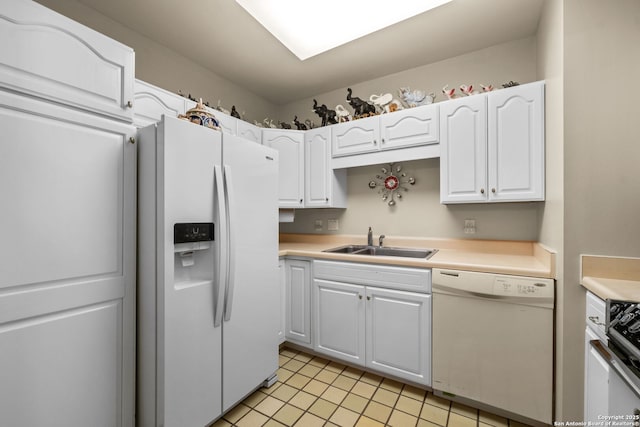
(193, 251)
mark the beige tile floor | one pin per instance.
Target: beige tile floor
(312, 391)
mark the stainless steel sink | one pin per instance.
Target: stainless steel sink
(383, 251)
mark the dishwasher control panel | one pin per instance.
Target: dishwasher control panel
(521, 287)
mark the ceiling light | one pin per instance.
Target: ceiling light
(308, 28)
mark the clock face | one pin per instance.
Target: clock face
(391, 182)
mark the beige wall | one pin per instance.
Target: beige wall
(420, 212)
(166, 68)
(494, 65)
(550, 68)
(601, 157)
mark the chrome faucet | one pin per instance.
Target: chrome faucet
(380, 239)
(370, 237)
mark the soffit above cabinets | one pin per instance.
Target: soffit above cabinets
(222, 37)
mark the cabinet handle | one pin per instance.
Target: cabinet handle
(368, 298)
(596, 320)
(482, 191)
(129, 104)
(132, 140)
(359, 296)
(493, 190)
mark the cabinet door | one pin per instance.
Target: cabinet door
(410, 127)
(47, 55)
(339, 313)
(355, 137)
(68, 259)
(596, 382)
(317, 154)
(290, 145)
(298, 301)
(399, 334)
(516, 143)
(249, 131)
(151, 103)
(463, 150)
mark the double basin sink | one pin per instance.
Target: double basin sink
(383, 251)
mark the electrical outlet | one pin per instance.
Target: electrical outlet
(332, 225)
(469, 226)
(318, 225)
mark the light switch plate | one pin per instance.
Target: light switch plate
(332, 225)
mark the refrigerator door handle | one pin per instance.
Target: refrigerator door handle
(218, 301)
(231, 243)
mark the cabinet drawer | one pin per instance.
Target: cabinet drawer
(595, 314)
(385, 276)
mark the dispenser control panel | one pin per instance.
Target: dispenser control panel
(189, 232)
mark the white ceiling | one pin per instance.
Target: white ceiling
(221, 36)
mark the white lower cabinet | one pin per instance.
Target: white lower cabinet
(596, 368)
(385, 330)
(283, 300)
(298, 301)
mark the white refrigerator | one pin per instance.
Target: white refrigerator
(208, 290)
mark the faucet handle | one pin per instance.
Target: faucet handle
(380, 239)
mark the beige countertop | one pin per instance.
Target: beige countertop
(489, 256)
(611, 277)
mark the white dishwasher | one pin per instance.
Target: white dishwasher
(493, 340)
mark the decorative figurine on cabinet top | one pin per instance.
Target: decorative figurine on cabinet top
(486, 88)
(360, 108)
(234, 112)
(386, 103)
(298, 125)
(416, 97)
(510, 83)
(327, 116)
(201, 116)
(449, 93)
(342, 114)
(467, 90)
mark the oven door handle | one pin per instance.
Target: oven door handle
(618, 366)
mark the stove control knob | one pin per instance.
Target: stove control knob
(614, 310)
(634, 328)
(626, 318)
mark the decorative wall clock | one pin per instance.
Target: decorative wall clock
(391, 183)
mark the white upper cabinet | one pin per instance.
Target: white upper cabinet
(323, 187)
(355, 137)
(249, 131)
(290, 145)
(399, 136)
(463, 150)
(492, 146)
(151, 103)
(516, 143)
(47, 55)
(409, 127)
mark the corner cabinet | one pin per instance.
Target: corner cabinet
(323, 187)
(152, 102)
(290, 145)
(492, 146)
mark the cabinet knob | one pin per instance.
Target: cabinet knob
(326, 199)
(359, 296)
(383, 140)
(132, 140)
(375, 142)
(300, 200)
(482, 191)
(368, 298)
(493, 190)
(129, 104)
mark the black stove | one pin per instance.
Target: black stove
(623, 331)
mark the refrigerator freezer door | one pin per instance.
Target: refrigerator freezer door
(187, 346)
(250, 342)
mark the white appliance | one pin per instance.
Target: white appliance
(493, 341)
(208, 292)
